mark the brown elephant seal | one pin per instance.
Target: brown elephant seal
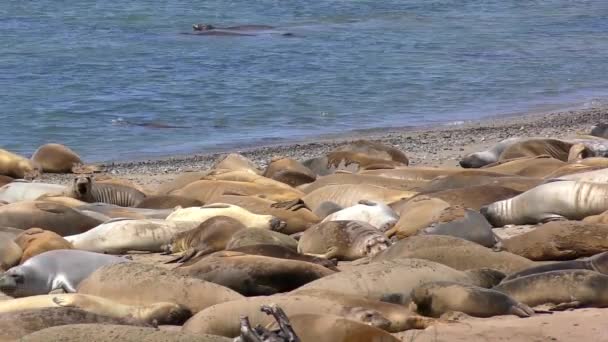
(168, 202)
(482, 158)
(558, 149)
(87, 190)
(375, 150)
(55, 217)
(10, 252)
(202, 214)
(56, 158)
(436, 298)
(254, 236)
(54, 270)
(474, 197)
(416, 214)
(454, 252)
(220, 319)
(36, 241)
(16, 166)
(348, 161)
(344, 240)
(393, 281)
(597, 263)
(140, 284)
(156, 313)
(296, 220)
(467, 179)
(565, 288)
(289, 171)
(253, 275)
(236, 162)
(355, 178)
(552, 201)
(210, 236)
(208, 191)
(113, 333)
(282, 252)
(462, 223)
(559, 240)
(376, 214)
(538, 167)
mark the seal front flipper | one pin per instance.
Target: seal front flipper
(521, 310)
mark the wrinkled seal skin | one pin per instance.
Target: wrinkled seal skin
(344, 240)
(56, 158)
(597, 263)
(552, 201)
(86, 190)
(566, 288)
(436, 298)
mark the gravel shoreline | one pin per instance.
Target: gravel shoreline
(427, 146)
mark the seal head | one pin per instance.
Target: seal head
(202, 27)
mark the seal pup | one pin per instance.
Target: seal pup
(597, 263)
(376, 214)
(344, 240)
(140, 284)
(113, 333)
(87, 190)
(253, 275)
(55, 217)
(202, 214)
(20, 190)
(552, 201)
(210, 236)
(289, 171)
(416, 214)
(36, 241)
(56, 158)
(565, 288)
(16, 166)
(119, 236)
(53, 270)
(436, 298)
(10, 252)
(255, 236)
(559, 240)
(393, 281)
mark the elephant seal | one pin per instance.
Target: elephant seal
(327, 208)
(53, 270)
(467, 179)
(36, 241)
(254, 236)
(87, 190)
(15, 325)
(393, 281)
(538, 167)
(56, 158)
(236, 162)
(558, 149)
(122, 235)
(597, 263)
(552, 201)
(454, 252)
(113, 333)
(282, 252)
(55, 217)
(10, 252)
(168, 202)
(600, 130)
(156, 313)
(289, 171)
(219, 319)
(5, 180)
(355, 178)
(489, 156)
(474, 197)
(601, 218)
(115, 211)
(206, 27)
(376, 214)
(20, 190)
(436, 298)
(415, 215)
(210, 236)
(375, 149)
(559, 240)
(344, 240)
(202, 214)
(596, 176)
(462, 223)
(424, 174)
(16, 166)
(140, 284)
(209, 190)
(253, 275)
(348, 161)
(565, 288)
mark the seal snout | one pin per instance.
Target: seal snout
(277, 225)
(8, 282)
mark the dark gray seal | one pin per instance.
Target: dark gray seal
(238, 30)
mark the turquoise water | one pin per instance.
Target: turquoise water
(78, 72)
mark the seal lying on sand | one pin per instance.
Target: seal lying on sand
(36, 241)
(479, 159)
(254, 236)
(10, 252)
(56, 158)
(87, 190)
(16, 166)
(597, 263)
(202, 214)
(376, 214)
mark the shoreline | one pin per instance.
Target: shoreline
(442, 145)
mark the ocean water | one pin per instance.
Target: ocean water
(95, 74)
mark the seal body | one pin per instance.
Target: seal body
(10, 252)
(416, 214)
(255, 236)
(282, 252)
(115, 211)
(463, 223)
(376, 214)
(201, 214)
(36, 241)
(479, 159)
(597, 263)
(87, 190)
(16, 166)
(289, 171)
(345, 240)
(168, 202)
(53, 270)
(56, 158)
(25, 191)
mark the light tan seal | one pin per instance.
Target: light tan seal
(289, 171)
(467, 179)
(539, 167)
(56, 158)
(257, 236)
(36, 241)
(555, 148)
(254, 275)
(202, 214)
(474, 197)
(16, 166)
(236, 162)
(375, 150)
(552, 201)
(140, 284)
(344, 240)
(355, 178)
(156, 313)
(10, 252)
(560, 240)
(114, 333)
(436, 298)
(416, 214)
(376, 214)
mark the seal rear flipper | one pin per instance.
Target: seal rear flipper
(185, 256)
(521, 310)
(565, 306)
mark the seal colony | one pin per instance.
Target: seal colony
(354, 243)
